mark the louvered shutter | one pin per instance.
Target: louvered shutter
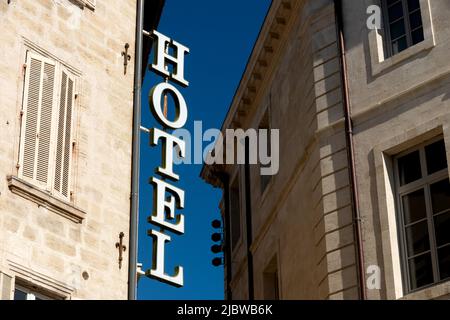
(63, 152)
(38, 102)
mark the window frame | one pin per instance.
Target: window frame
(423, 183)
(407, 24)
(24, 108)
(380, 61)
(34, 292)
(30, 294)
(60, 67)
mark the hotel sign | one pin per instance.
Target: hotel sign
(167, 198)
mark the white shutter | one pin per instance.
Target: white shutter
(39, 94)
(63, 152)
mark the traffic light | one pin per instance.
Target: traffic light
(215, 248)
(216, 224)
(217, 237)
(217, 262)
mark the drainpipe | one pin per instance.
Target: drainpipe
(350, 151)
(136, 140)
(248, 222)
(226, 194)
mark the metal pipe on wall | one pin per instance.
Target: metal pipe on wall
(350, 151)
(136, 140)
(226, 194)
(248, 222)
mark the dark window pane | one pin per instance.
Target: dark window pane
(414, 208)
(409, 168)
(398, 29)
(417, 239)
(436, 157)
(444, 262)
(440, 196)
(399, 45)
(413, 5)
(415, 20)
(19, 295)
(417, 36)
(395, 12)
(421, 271)
(390, 2)
(442, 229)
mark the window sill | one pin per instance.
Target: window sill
(437, 292)
(44, 199)
(379, 65)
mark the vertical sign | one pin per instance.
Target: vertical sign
(167, 198)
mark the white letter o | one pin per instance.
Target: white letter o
(180, 105)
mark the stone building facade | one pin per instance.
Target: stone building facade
(66, 108)
(294, 235)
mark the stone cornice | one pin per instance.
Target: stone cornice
(257, 71)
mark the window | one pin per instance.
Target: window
(424, 201)
(403, 25)
(235, 207)
(22, 293)
(46, 134)
(265, 125)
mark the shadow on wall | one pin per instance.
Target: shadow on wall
(336, 246)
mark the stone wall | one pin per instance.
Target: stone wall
(394, 109)
(304, 217)
(37, 246)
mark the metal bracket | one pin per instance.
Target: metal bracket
(121, 247)
(126, 58)
(139, 271)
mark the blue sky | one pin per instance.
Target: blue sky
(220, 35)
